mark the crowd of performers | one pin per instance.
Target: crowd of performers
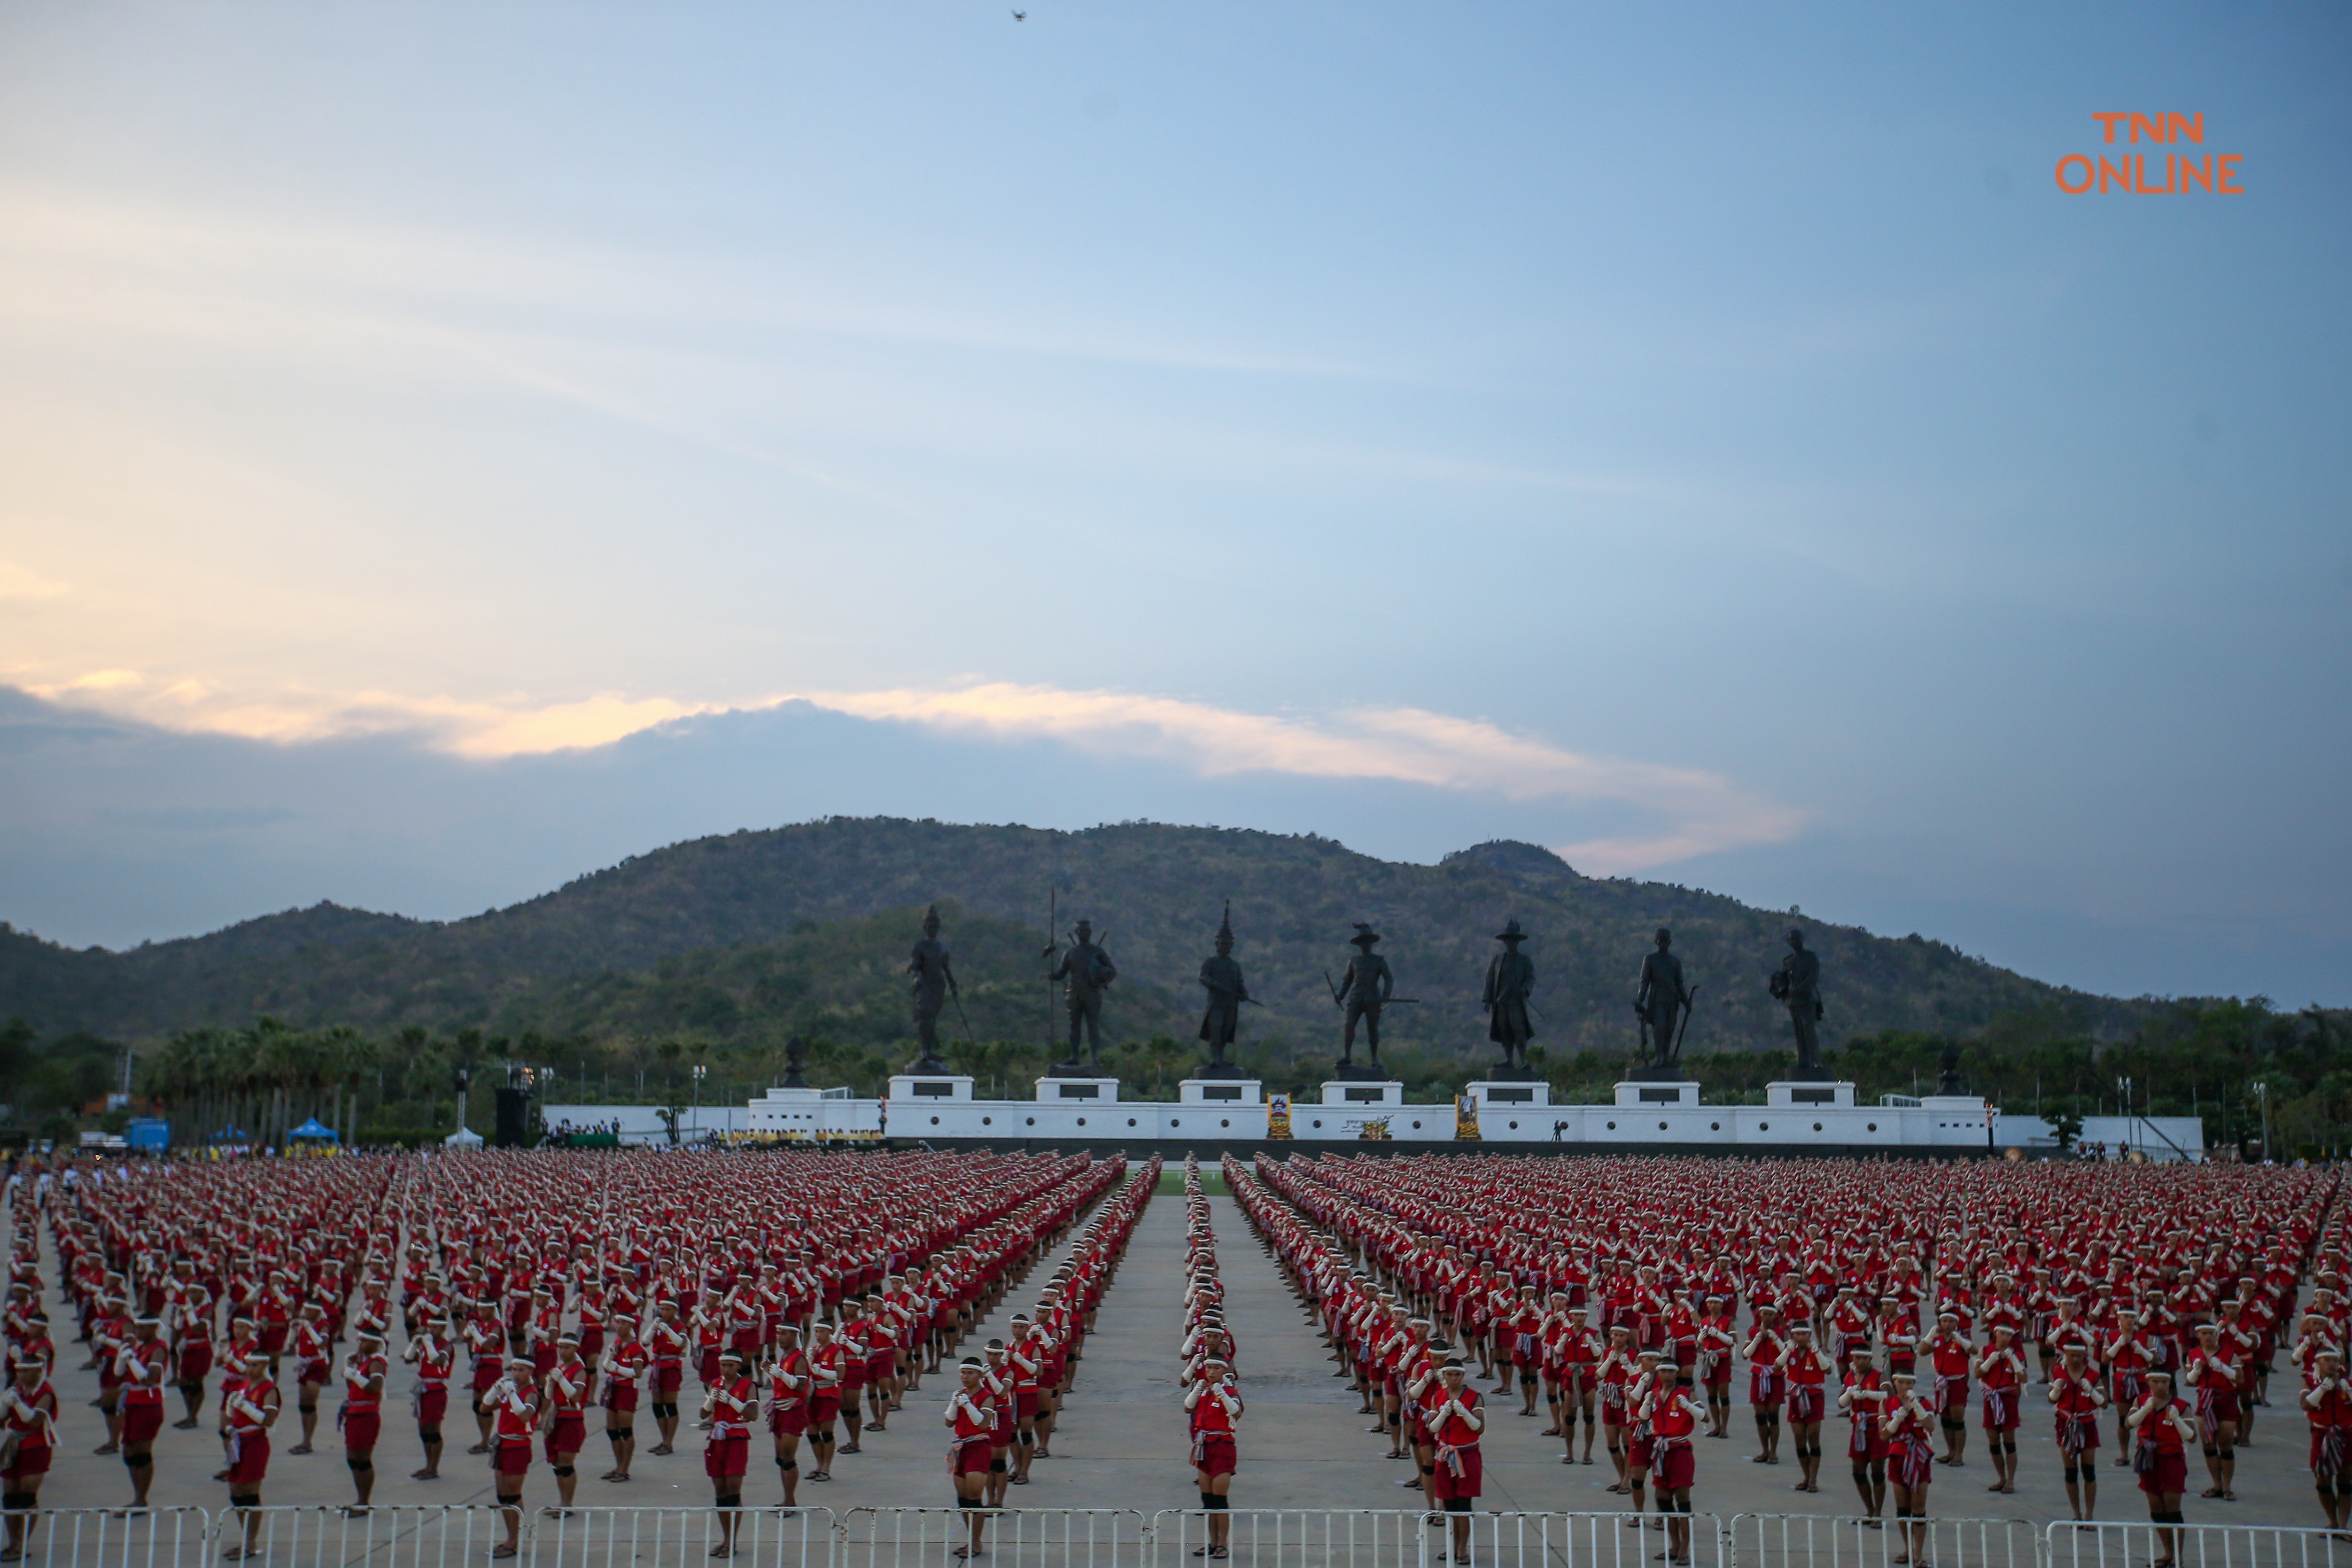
(1620, 1297)
(1209, 1379)
(1001, 1416)
(808, 1290)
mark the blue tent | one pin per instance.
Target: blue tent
(313, 1130)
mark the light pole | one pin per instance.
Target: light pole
(464, 1078)
(2263, 1093)
(698, 1071)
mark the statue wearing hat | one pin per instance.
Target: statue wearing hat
(1227, 992)
(1361, 994)
(1510, 979)
(934, 980)
(1086, 972)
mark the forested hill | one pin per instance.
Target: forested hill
(657, 943)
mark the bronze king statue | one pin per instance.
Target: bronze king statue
(1227, 992)
(1086, 972)
(1798, 983)
(1659, 1001)
(1367, 987)
(1510, 979)
(934, 982)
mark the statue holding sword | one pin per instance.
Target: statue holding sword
(1367, 987)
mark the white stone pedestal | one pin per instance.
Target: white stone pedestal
(1095, 1090)
(1512, 1096)
(918, 1088)
(1221, 1091)
(1636, 1095)
(1806, 1096)
(1355, 1092)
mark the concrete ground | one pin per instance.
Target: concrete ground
(1123, 1444)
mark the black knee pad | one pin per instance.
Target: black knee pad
(967, 1503)
(1428, 1469)
(2073, 1473)
(732, 1500)
(1204, 1500)
(2210, 1451)
(1458, 1505)
(1212, 1501)
(564, 1472)
(249, 1500)
(995, 1467)
(308, 1409)
(1026, 1439)
(790, 1467)
(15, 1501)
(428, 1434)
(358, 1465)
(136, 1461)
(1396, 1418)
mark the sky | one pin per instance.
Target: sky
(445, 449)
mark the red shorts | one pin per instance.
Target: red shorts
(789, 1423)
(1763, 1384)
(512, 1459)
(853, 1376)
(1637, 1452)
(972, 1459)
(1218, 1455)
(1025, 1403)
(706, 1365)
(1612, 1414)
(725, 1457)
(311, 1370)
(2170, 1474)
(273, 1338)
(2322, 1468)
(360, 1431)
(668, 1379)
(140, 1422)
(567, 1437)
(1447, 1487)
(2224, 1407)
(621, 1398)
(880, 1364)
(33, 1459)
(1673, 1465)
(252, 1462)
(824, 1409)
(2001, 1415)
(196, 1361)
(432, 1406)
(1807, 1402)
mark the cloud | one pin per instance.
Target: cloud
(16, 582)
(1702, 811)
(1690, 812)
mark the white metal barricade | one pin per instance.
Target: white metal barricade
(1407, 1537)
(2117, 1543)
(1825, 1540)
(1011, 1537)
(107, 1538)
(412, 1536)
(771, 1537)
(391, 1535)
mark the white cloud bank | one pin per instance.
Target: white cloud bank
(1688, 811)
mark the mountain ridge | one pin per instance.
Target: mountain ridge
(1155, 890)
